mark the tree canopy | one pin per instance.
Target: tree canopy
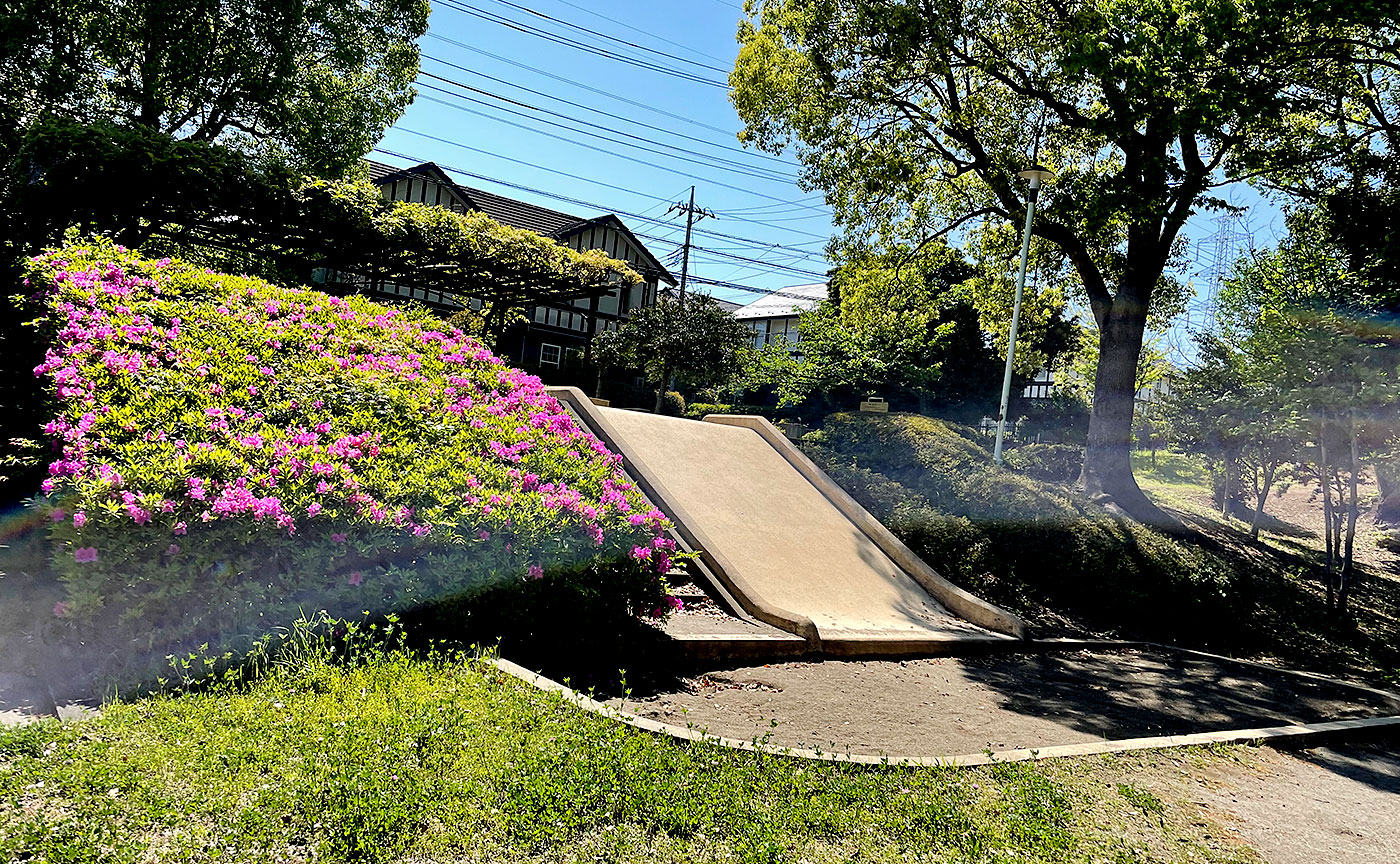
(696, 341)
(315, 82)
(915, 117)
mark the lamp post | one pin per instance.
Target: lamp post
(1037, 176)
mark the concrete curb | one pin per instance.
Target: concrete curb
(1274, 736)
(1392, 698)
(965, 605)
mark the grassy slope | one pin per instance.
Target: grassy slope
(1059, 560)
(398, 758)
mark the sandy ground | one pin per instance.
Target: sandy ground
(1331, 805)
(950, 705)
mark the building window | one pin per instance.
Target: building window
(549, 355)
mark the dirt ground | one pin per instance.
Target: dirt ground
(949, 705)
(1293, 518)
(1329, 805)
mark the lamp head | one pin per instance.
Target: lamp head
(1038, 175)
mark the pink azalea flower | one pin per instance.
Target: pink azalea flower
(337, 538)
(313, 509)
(355, 578)
(58, 514)
(174, 549)
(85, 555)
(180, 527)
(79, 519)
(61, 608)
(535, 571)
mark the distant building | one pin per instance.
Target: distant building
(774, 317)
(554, 330)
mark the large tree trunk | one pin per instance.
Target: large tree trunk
(1108, 470)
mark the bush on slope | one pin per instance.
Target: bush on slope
(230, 451)
(1032, 546)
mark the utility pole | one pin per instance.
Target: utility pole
(690, 214)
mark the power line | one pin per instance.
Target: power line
(659, 38)
(482, 14)
(599, 111)
(734, 286)
(819, 237)
(561, 79)
(730, 164)
(610, 38)
(564, 198)
(598, 149)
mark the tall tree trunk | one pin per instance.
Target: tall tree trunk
(1108, 470)
(1324, 472)
(1344, 587)
(661, 388)
(1261, 495)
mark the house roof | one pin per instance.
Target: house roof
(727, 305)
(785, 302)
(554, 224)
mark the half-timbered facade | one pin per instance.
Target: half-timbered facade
(554, 331)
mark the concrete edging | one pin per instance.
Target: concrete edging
(654, 489)
(962, 603)
(1273, 736)
(1392, 698)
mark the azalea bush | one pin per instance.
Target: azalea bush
(228, 452)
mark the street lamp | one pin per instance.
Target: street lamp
(1037, 176)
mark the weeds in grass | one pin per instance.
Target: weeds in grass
(374, 753)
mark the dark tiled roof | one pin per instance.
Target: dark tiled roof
(378, 170)
(518, 214)
(508, 211)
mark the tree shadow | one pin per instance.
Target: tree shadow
(1153, 693)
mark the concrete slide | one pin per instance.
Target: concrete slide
(788, 544)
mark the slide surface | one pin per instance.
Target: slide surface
(786, 540)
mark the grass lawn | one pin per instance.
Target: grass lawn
(398, 758)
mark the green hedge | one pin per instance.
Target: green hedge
(1052, 463)
(1035, 548)
(233, 453)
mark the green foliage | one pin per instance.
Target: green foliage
(698, 342)
(1307, 363)
(1051, 463)
(315, 83)
(914, 120)
(993, 531)
(388, 757)
(910, 327)
(673, 404)
(232, 451)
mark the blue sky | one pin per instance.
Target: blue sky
(653, 133)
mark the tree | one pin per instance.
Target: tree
(1231, 409)
(314, 82)
(696, 341)
(915, 118)
(1325, 345)
(909, 324)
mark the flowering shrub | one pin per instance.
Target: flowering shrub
(228, 450)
